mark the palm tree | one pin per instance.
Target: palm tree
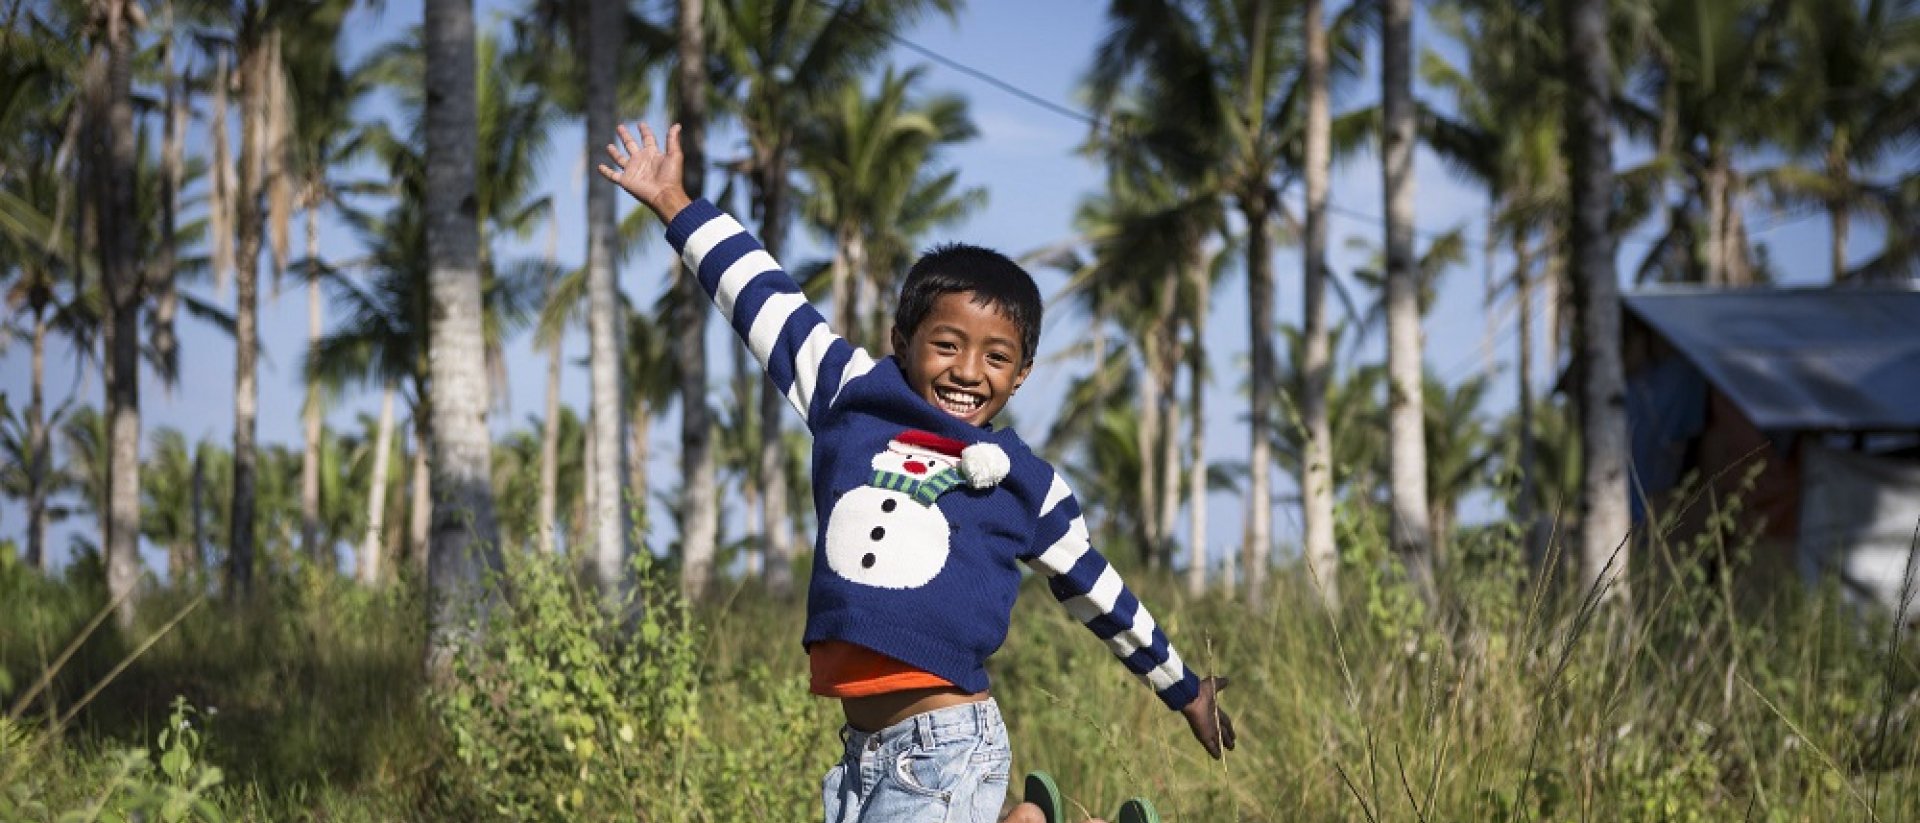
(791, 55)
(652, 370)
(1145, 235)
(1357, 461)
(863, 156)
(384, 337)
(38, 262)
(699, 512)
(170, 512)
(1316, 477)
(603, 42)
(84, 433)
(1457, 452)
(256, 57)
(1504, 139)
(1410, 530)
(110, 161)
(1712, 74)
(1859, 101)
(1221, 91)
(321, 96)
(465, 545)
(1596, 299)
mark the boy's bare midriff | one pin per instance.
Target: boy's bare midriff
(871, 714)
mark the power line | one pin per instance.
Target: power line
(1057, 108)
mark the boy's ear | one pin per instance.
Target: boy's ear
(1021, 378)
(899, 341)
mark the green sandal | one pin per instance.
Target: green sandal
(1137, 810)
(1043, 792)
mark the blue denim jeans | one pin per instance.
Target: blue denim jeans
(949, 765)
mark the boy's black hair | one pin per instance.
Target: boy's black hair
(994, 280)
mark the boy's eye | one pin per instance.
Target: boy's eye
(945, 346)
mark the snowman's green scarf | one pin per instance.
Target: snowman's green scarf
(926, 490)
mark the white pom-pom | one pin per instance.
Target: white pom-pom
(984, 464)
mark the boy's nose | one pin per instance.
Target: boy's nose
(967, 370)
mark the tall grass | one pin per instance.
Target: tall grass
(1705, 698)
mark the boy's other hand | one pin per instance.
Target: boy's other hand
(1210, 725)
(652, 176)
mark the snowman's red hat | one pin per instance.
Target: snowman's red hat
(931, 442)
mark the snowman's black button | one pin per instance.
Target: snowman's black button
(878, 532)
(888, 505)
(867, 561)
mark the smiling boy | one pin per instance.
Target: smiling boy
(926, 512)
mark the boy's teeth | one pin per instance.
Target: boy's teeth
(958, 402)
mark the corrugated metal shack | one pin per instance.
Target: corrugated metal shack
(1817, 388)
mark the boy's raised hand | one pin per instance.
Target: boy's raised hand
(652, 176)
(1210, 725)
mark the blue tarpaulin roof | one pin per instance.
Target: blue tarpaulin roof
(1800, 359)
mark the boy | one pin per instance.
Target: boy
(923, 509)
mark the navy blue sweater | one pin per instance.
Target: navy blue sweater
(921, 540)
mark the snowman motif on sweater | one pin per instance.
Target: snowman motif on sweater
(889, 533)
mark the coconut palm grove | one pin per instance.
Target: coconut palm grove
(1518, 400)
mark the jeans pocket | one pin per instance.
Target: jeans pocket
(935, 771)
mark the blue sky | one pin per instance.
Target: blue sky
(1024, 158)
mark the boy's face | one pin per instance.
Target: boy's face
(965, 358)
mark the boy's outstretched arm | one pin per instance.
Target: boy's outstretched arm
(801, 355)
(1091, 590)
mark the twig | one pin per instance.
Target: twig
(1364, 808)
(124, 663)
(1824, 759)
(1893, 657)
(1407, 787)
(46, 676)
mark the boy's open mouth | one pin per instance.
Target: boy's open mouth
(957, 402)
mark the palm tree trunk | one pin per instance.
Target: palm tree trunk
(1165, 470)
(1259, 534)
(1838, 214)
(1170, 478)
(1596, 299)
(310, 456)
(1734, 253)
(1146, 441)
(420, 502)
(197, 506)
(1716, 195)
(699, 511)
(604, 41)
(1257, 202)
(37, 442)
(841, 276)
(866, 298)
(639, 451)
(220, 192)
(773, 477)
(465, 546)
(1197, 430)
(253, 69)
(1523, 370)
(173, 138)
(371, 548)
(111, 150)
(550, 452)
(589, 487)
(1316, 483)
(1412, 534)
